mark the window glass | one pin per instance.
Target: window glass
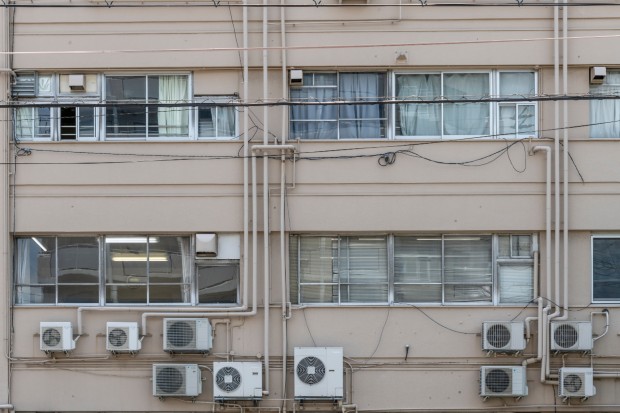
(515, 283)
(417, 269)
(606, 269)
(418, 119)
(604, 120)
(466, 118)
(217, 282)
(217, 122)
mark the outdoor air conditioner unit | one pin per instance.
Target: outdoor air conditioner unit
(176, 380)
(576, 382)
(318, 373)
(122, 337)
(237, 380)
(187, 335)
(571, 336)
(503, 336)
(503, 381)
(56, 336)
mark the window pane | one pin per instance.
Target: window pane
(314, 121)
(363, 260)
(316, 259)
(78, 260)
(77, 294)
(466, 118)
(166, 256)
(35, 261)
(375, 293)
(126, 121)
(126, 88)
(604, 114)
(35, 295)
(504, 246)
(168, 293)
(467, 293)
(417, 293)
(126, 260)
(468, 259)
(521, 246)
(319, 293)
(526, 120)
(217, 284)
(87, 122)
(43, 123)
(128, 294)
(361, 121)
(515, 283)
(24, 118)
(293, 270)
(172, 121)
(413, 119)
(606, 269)
(417, 259)
(520, 84)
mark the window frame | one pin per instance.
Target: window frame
(593, 300)
(215, 99)
(494, 266)
(191, 261)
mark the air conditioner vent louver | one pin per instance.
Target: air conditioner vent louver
(576, 382)
(238, 380)
(571, 336)
(176, 380)
(503, 336)
(122, 337)
(318, 373)
(187, 335)
(56, 336)
(503, 381)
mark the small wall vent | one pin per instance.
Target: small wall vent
(206, 245)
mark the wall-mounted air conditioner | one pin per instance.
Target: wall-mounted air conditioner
(318, 373)
(56, 336)
(571, 336)
(122, 337)
(576, 382)
(176, 380)
(503, 381)
(503, 336)
(237, 380)
(187, 335)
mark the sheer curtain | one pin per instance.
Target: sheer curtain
(173, 121)
(225, 122)
(418, 119)
(605, 114)
(466, 118)
(23, 123)
(315, 121)
(361, 121)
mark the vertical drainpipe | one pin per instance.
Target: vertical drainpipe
(266, 272)
(565, 156)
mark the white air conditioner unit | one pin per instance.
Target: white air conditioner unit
(571, 336)
(187, 335)
(318, 373)
(503, 381)
(56, 336)
(237, 380)
(176, 380)
(503, 336)
(122, 337)
(576, 382)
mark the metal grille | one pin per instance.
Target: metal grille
(25, 85)
(310, 370)
(51, 337)
(497, 381)
(228, 379)
(181, 334)
(117, 337)
(170, 380)
(498, 335)
(572, 384)
(565, 336)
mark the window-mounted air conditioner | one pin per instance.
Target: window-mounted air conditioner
(503, 381)
(56, 336)
(571, 336)
(176, 380)
(318, 373)
(122, 337)
(576, 382)
(503, 336)
(237, 380)
(187, 335)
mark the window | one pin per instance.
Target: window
(454, 119)
(120, 270)
(606, 268)
(130, 118)
(604, 114)
(364, 121)
(440, 269)
(216, 122)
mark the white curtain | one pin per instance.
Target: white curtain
(315, 121)
(605, 114)
(515, 284)
(466, 118)
(418, 119)
(225, 127)
(361, 121)
(23, 123)
(173, 121)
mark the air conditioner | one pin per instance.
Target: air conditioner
(503, 381)
(576, 382)
(503, 336)
(56, 336)
(176, 380)
(237, 380)
(318, 373)
(122, 337)
(571, 336)
(187, 335)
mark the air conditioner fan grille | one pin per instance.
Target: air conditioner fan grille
(117, 337)
(181, 334)
(565, 336)
(572, 383)
(51, 337)
(497, 381)
(498, 335)
(228, 379)
(170, 380)
(310, 370)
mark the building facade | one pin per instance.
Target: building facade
(328, 205)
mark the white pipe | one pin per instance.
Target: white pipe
(266, 261)
(283, 282)
(606, 314)
(565, 160)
